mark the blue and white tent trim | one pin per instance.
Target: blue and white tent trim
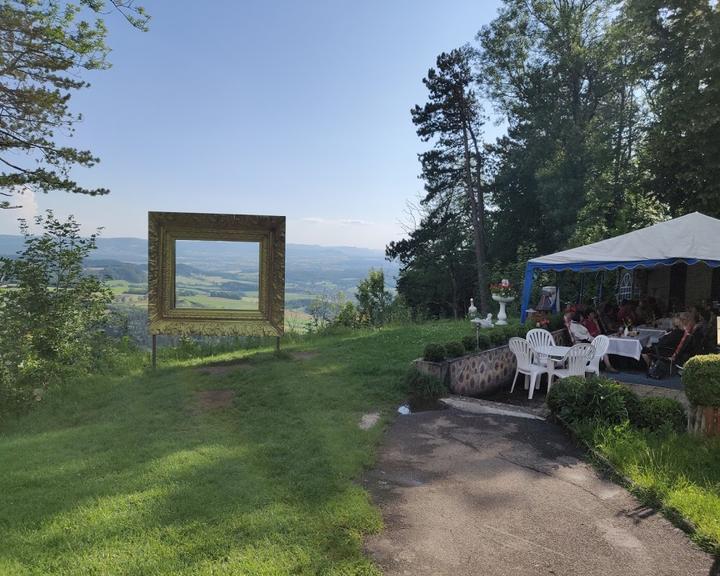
(692, 239)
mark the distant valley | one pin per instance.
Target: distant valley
(224, 274)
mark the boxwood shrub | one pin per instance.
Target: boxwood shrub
(701, 380)
(434, 352)
(469, 343)
(484, 341)
(658, 413)
(454, 349)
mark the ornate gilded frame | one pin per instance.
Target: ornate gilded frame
(164, 228)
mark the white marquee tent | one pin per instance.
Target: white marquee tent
(692, 238)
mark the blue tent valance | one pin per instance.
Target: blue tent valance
(533, 267)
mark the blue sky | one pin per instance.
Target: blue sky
(264, 106)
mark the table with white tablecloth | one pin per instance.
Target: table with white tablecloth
(628, 346)
(653, 334)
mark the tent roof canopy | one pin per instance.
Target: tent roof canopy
(691, 238)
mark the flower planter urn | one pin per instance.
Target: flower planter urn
(502, 314)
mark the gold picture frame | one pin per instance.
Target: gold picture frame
(165, 228)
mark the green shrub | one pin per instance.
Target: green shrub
(454, 349)
(575, 399)
(567, 397)
(556, 322)
(469, 343)
(434, 353)
(633, 405)
(521, 330)
(498, 336)
(424, 386)
(605, 400)
(659, 413)
(54, 318)
(701, 380)
(484, 341)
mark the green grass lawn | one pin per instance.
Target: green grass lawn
(677, 472)
(131, 475)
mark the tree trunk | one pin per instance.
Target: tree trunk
(479, 199)
(478, 232)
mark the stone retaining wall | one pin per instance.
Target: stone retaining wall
(479, 373)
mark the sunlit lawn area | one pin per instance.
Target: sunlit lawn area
(680, 473)
(133, 475)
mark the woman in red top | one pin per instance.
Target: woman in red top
(591, 323)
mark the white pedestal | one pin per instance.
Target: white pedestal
(502, 314)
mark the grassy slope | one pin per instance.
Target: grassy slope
(126, 475)
(678, 472)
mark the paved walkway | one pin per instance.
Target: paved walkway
(491, 495)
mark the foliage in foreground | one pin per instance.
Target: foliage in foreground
(53, 314)
(601, 400)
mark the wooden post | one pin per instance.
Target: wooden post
(154, 351)
(277, 344)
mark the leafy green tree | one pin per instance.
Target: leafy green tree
(373, 299)
(556, 70)
(452, 119)
(677, 62)
(44, 44)
(52, 311)
(437, 265)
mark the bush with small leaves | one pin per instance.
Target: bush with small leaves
(434, 352)
(469, 343)
(575, 399)
(567, 398)
(701, 380)
(498, 336)
(661, 413)
(484, 341)
(454, 349)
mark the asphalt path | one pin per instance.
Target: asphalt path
(499, 495)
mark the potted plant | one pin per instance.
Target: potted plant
(503, 293)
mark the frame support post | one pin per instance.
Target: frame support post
(154, 351)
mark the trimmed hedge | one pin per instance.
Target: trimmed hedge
(486, 339)
(434, 352)
(454, 349)
(701, 380)
(603, 400)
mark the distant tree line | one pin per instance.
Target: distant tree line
(613, 123)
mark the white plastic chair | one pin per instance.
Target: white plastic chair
(524, 356)
(575, 360)
(539, 338)
(601, 344)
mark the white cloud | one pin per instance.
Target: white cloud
(356, 222)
